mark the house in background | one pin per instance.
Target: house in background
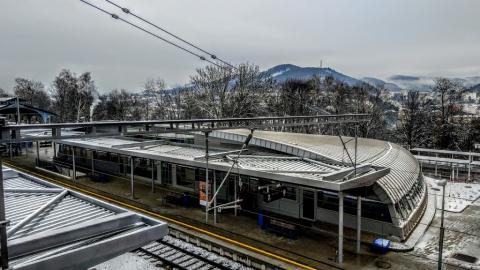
(9, 107)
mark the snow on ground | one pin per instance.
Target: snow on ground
(457, 195)
(127, 261)
(462, 227)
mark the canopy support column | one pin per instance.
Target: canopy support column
(214, 199)
(93, 162)
(359, 222)
(206, 176)
(132, 178)
(38, 154)
(340, 227)
(74, 173)
(469, 166)
(153, 175)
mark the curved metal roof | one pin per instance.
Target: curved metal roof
(404, 168)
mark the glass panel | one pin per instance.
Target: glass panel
(308, 206)
(186, 177)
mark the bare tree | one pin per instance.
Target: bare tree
(33, 92)
(3, 93)
(120, 105)
(211, 86)
(415, 123)
(447, 95)
(247, 95)
(73, 96)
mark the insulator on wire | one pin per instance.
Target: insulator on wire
(126, 10)
(213, 56)
(115, 16)
(202, 58)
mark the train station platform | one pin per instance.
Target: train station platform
(305, 248)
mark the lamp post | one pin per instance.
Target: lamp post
(441, 183)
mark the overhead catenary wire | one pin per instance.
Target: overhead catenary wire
(115, 16)
(212, 55)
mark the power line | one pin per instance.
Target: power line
(212, 55)
(115, 16)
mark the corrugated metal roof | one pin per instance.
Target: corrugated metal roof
(404, 168)
(54, 228)
(298, 170)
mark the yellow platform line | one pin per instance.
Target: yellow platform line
(150, 213)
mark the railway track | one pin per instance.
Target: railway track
(173, 253)
(182, 250)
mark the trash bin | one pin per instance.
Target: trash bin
(380, 245)
(261, 221)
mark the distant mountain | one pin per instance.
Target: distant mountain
(382, 84)
(404, 78)
(475, 88)
(282, 73)
(425, 83)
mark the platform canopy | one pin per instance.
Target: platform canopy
(56, 228)
(283, 168)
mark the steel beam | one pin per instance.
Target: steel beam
(34, 214)
(102, 250)
(159, 126)
(52, 238)
(33, 190)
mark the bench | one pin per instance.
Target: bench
(282, 228)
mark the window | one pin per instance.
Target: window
(166, 173)
(291, 193)
(186, 177)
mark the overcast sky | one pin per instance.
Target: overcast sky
(376, 38)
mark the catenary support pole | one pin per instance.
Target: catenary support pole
(340, 227)
(235, 197)
(359, 222)
(132, 191)
(442, 231)
(3, 225)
